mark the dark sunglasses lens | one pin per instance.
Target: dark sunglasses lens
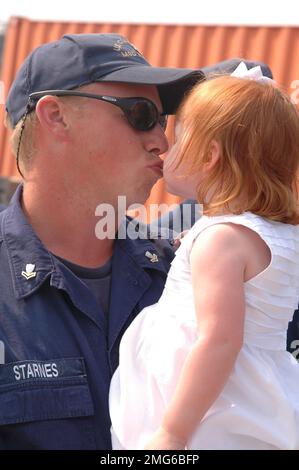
(143, 115)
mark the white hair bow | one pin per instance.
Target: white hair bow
(255, 73)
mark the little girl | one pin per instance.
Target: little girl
(206, 367)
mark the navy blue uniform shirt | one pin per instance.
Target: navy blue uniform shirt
(58, 350)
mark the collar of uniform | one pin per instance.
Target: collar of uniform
(24, 247)
(137, 248)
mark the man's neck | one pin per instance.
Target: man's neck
(66, 227)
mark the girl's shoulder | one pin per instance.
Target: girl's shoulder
(248, 219)
(272, 232)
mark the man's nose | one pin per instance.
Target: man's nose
(158, 140)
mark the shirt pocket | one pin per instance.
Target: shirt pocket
(46, 405)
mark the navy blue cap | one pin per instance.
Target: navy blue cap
(79, 59)
(228, 66)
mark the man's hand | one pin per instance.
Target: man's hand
(177, 240)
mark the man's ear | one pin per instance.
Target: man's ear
(213, 156)
(51, 114)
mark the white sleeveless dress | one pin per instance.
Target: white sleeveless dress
(259, 406)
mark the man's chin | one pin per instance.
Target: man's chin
(140, 197)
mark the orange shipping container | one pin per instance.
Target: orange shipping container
(164, 46)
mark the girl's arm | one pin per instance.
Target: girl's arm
(218, 261)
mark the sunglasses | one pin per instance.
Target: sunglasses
(141, 113)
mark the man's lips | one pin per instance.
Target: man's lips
(157, 166)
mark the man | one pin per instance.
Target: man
(66, 295)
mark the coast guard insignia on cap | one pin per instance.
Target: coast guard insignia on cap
(29, 273)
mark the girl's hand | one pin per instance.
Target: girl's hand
(163, 440)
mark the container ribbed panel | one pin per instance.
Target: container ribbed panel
(162, 45)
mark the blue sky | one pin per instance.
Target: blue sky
(259, 12)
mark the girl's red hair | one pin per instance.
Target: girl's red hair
(257, 128)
